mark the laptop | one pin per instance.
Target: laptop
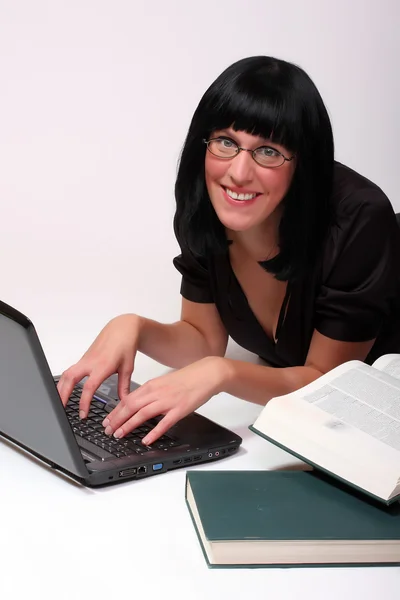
(33, 417)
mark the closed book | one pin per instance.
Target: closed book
(289, 518)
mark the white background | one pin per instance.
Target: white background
(96, 97)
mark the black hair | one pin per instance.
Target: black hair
(277, 100)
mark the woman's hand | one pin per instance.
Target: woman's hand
(113, 351)
(173, 395)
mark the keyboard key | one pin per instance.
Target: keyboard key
(98, 412)
(98, 404)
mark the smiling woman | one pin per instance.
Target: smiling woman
(239, 182)
(292, 254)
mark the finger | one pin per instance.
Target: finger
(113, 421)
(124, 381)
(94, 381)
(144, 414)
(162, 427)
(131, 402)
(125, 410)
(69, 379)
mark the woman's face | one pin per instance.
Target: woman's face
(242, 175)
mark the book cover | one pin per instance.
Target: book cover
(289, 518)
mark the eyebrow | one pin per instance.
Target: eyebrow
(225, 132)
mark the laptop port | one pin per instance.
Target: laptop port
(232, 449)
(157, 467)
(198, 457)
(177, 461)
(127, 472)
(142, 470)
(187, 460)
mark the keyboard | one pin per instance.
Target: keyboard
(92, 430)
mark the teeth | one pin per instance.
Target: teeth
(236, 196)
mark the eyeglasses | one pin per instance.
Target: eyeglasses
(265, 156)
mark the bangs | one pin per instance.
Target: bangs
(264, 106)
(270, 118)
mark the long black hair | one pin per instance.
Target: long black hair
(277, 100)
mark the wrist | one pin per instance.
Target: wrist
(141, 329)
(221, 373)
(131, 325)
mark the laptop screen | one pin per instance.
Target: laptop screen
(31, 412)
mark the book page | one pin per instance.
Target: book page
(389, 363)
(365, 398)
(347, 422)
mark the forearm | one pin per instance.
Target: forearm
(258, 383)
(174, 345)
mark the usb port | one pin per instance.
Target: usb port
(187, 460)
(177, 462)
(198, 457)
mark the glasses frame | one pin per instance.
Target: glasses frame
(252, 152)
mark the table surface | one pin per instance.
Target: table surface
(60, 540)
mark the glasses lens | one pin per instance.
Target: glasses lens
(223, 147)
(268, 157)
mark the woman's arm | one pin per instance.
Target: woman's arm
(177, 394)
(198, 334)
(259, 384)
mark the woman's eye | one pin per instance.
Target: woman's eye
(225, 143)
(266, 151)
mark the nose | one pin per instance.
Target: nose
(241, 168)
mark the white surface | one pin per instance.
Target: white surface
(136, 540)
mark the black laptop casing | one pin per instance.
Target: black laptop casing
(33, 417)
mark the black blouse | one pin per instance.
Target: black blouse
(353, 294)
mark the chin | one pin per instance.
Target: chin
(236, 224)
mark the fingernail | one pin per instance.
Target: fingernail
(108, 430)
(82, 414)
(118, 433)
(145, 441)
(106, 422)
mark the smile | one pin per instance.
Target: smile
(241, 197)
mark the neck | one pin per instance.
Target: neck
(261, 242)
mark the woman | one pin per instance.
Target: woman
(293, 255)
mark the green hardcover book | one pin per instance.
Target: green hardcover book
(289, 518)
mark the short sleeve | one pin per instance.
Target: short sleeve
(195, 284)
(360, 270)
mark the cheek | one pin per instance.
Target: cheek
(277, 182)
(214, 169)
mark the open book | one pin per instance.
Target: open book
(346, 423)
